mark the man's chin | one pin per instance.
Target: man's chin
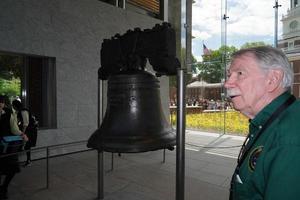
(242, 110)
(237, 105)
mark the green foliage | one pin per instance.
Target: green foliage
(10, 73)
(213, 66)
(10, 66)
(10, 87)
(253, 44)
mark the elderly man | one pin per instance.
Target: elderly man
(259, 82)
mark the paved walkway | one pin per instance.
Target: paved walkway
(141, 176)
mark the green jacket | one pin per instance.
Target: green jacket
(271, 170)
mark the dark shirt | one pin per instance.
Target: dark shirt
(5, 122)
(271, 169)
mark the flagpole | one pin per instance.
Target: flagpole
(223, 94)
(276, 24)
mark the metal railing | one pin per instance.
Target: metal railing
(48, 156)
(64, 145)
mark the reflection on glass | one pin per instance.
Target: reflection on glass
(30, 79)
(10, 76)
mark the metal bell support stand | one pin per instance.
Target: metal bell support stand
(180, 126)
(100, 153)
(180, 129)
(180, 134)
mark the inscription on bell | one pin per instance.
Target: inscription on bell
(117, 99)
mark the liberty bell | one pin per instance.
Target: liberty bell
(134, 120)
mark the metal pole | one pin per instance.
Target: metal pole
(276, 24)
(112, 161)
(47, 168)
(164, 156)
(100, 175)
(124, 4)
(100, 153)
(180, 134)
(224, 57)
(177, 8)
(188, 35)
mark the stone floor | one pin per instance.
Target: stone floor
(140, 176)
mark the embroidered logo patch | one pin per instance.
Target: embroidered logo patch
(254, 156)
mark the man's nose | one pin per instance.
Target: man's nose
(226, 85)
(229, 82)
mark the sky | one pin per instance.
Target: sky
(249, 21)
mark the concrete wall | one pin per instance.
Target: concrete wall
(71, 31)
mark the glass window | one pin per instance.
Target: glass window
(219, 28)
(32, 80)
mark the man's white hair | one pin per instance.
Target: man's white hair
(269, 58)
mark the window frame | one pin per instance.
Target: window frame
(47, 114)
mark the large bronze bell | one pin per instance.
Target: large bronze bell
(134, 120)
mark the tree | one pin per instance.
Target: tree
(10, 73)
(10, 66)
(253, 44)
(10, 87)
(212, 68)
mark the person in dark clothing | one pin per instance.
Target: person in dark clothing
(26, 125)
(8, 165)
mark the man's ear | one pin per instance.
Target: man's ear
(274, 77)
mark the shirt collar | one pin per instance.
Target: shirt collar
(260, 119)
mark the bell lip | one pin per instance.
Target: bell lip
(170, 146)
(131, 145)
(136, 148)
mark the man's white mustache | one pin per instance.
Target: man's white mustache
(232, 93)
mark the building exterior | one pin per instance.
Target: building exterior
(290, 42)
(203, 90)
(67, 36)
